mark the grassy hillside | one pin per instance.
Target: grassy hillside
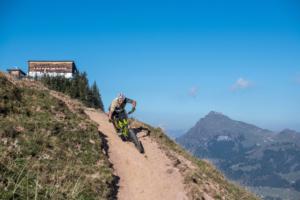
(202, 179)
(47, 151)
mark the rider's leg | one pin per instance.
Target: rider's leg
(119, 131)
(116, 126)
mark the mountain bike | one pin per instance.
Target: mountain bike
(127, 134)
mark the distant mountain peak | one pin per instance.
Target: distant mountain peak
(216, 115)
(216, 124)
(242, 151)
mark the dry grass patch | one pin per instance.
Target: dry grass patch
(45, 149)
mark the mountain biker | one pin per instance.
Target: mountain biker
(117, 108)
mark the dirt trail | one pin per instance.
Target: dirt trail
(142, 177)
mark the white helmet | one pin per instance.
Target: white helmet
(121, 96)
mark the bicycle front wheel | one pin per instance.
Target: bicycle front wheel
(136, 141)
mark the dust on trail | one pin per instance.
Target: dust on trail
(149, 176)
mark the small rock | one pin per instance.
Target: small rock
(92, 141)
(176, 162)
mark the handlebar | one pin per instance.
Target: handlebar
(130, 112)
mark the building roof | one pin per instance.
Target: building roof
(52, 61)
(16, 69)
(32, 64)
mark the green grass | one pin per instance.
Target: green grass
(46, 151)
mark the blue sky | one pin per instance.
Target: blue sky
(178, 59)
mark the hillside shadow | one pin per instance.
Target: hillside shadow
(116, 179)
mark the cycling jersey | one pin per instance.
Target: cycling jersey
(118, 108)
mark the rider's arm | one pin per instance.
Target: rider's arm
(132, 102)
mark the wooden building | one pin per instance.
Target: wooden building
(51, 68)
(16, 73)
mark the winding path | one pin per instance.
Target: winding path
(148, 176)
